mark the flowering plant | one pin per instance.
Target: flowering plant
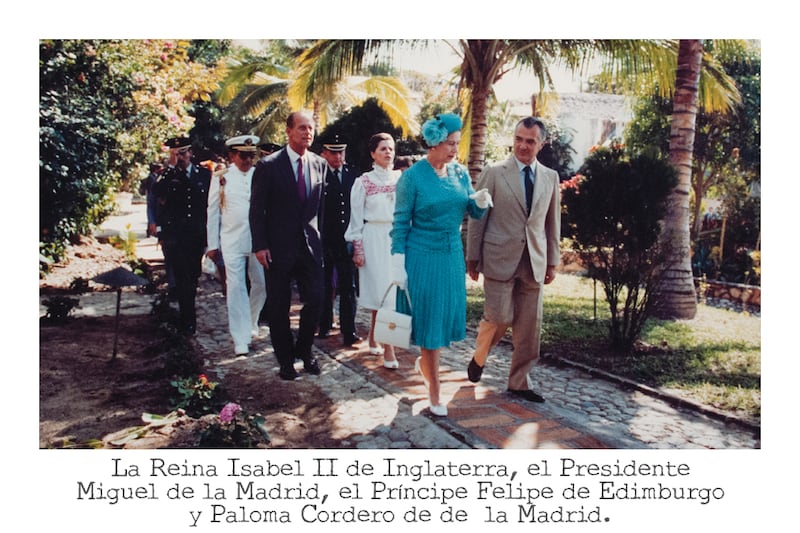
(196, 395)
(573, 183)
(228, 412)
(234, 428)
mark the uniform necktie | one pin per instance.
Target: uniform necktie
(528, 187)
(336, 174)
(301, 181)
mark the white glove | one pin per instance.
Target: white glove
(482, 198)
(399, 275)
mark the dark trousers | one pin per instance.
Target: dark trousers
(344, 272)
(307, 273)
(185, 260)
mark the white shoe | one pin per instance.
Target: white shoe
(391, 364)
(376, 350)
(242, 349)
(439, 410)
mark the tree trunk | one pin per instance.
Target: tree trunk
(478, 127)
(479, 68)
(676, 297)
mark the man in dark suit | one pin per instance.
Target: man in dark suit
(182, 196)
(285, 222)
(336, 199)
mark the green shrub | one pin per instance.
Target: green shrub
(612, 210)
(197, 396)
(59, 308)
(79, 285)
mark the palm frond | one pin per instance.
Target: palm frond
(240, 74)
(392, 96)
(257, 97)
(328, 61)
(638, 67)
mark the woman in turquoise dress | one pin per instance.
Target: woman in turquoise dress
(427, 255)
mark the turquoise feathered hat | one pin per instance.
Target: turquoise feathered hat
(436, 129)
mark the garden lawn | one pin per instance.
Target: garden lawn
(714, 359)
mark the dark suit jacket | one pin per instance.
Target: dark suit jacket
(336, 201)
(181, 209)
(277, 220)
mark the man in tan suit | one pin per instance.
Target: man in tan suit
(516, 247)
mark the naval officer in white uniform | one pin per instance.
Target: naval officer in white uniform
(229, 234)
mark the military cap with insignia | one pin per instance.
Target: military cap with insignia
(178, 142)
(335, 144)
(243, 143)
(269, 147)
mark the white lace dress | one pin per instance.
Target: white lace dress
(371, 215)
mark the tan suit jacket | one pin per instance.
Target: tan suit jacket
(497, 240)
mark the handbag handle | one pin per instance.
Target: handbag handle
(405, 291)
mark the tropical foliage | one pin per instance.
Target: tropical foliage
(726, 162)
(356, 126)
(105, 108)
(77, 129)
(254, 91)
(261, 88)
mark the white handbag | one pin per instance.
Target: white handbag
(392, 327)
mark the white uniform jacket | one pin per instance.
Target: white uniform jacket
(229, 211)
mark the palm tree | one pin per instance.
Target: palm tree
(483, 63)
(354, 89)
(254, 91)
(676, 294)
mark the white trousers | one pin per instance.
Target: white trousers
(244, 309)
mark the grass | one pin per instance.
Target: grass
(714, 359)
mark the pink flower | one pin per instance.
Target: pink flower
(229, 411)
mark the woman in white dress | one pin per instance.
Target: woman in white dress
(371, 216)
